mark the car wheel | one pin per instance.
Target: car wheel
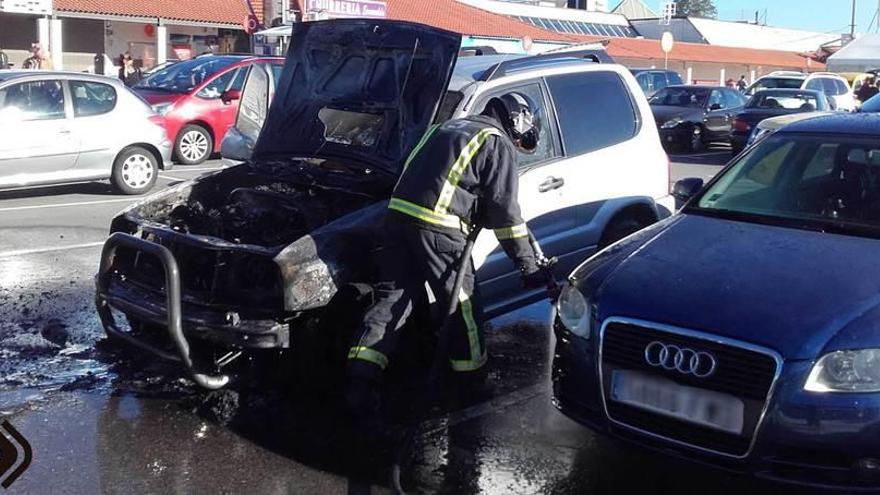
(135, 171)
(697, 143)
(194, 145)
(619, 229)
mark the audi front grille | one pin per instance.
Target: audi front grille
(741, 370)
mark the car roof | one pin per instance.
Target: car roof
(865, 124)
(472, 68)
(788, 91)
(42, 74)
(693, 86)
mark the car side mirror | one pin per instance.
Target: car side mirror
(715, 106)
(686, 189)
(231, 95)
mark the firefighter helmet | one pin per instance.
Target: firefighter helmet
(514, 111)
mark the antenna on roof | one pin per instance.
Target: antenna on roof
(668, 13)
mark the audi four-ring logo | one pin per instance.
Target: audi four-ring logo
(686, 361)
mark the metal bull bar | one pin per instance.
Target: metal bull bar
(173, 306)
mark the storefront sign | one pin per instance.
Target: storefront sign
(348, 8)
(26, 6)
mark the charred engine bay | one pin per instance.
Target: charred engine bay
(269, 203)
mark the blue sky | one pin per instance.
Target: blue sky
(814, 15)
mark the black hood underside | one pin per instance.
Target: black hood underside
(359, 90)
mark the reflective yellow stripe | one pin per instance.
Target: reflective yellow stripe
(420, 145)
(368, 355)
(478, 355)
(424, 214)
(461, 163)
(514, 232)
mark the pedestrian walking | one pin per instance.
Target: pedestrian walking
(34, 62)
(868, 89)
(742, 84)
(129, 73)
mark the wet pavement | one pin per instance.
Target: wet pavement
(101, 422)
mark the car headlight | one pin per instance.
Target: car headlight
(669, 124)
(573, 311)
(162, 108)
(846, 371)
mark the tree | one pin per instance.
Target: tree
(696, 8)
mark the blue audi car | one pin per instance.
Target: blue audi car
(744, 332)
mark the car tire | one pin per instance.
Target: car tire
(193, 145)
(135, 171)
(618, 229)
(697, 141)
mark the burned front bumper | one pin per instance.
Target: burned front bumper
(187, 322)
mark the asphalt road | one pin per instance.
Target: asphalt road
(100, 424)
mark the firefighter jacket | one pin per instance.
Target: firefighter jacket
(463, 173)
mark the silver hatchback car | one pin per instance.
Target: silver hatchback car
(61, 127)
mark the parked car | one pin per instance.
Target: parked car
(773, 124)
(653, 80)
(834, 86)
(769, 103)
(264, 251)
(199, 100)
(61, 127)
(743, 331)
(691, 117)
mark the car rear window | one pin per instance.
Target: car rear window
(594, 109)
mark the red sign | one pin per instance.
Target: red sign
(149, 30)
(251, 24)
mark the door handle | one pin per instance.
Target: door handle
(64, 131)
(550, 184)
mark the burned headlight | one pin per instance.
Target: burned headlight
(846, 371)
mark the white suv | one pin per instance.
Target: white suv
(833, 85)
(600, 172)
(265, 248)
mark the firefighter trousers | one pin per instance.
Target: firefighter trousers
(412, 256)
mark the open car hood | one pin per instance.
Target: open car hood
(365, 90)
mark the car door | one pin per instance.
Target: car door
(252, 110)
(94, 122)
(560, 195)
(717, 121)
(222, 113)
(38, 137)
(542, 178)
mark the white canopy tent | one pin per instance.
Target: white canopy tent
(861, 54)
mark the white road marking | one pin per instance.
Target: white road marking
(25, 252)
(199, 169)
(65, 205)
(171, 177)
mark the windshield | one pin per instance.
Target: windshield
(822, 182)
(182, 77)
(681, 97)
(784, 101)
(776, 82)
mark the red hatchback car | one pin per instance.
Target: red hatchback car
(199, 99)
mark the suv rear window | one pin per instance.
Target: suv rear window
(595, 110)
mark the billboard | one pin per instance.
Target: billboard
(335, 9)
(26, 6)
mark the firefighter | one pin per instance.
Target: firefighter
(461, 174)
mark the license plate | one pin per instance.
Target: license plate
(703, 407)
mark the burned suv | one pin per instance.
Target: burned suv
(252, 256)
